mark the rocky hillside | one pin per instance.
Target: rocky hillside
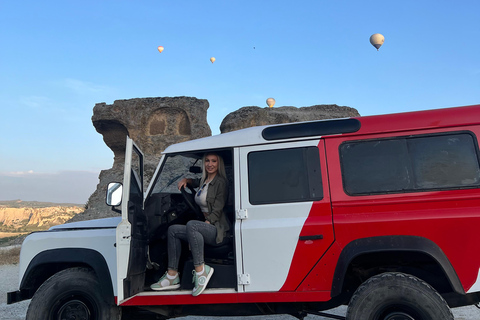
(19, 216)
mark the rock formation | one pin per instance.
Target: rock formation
(154, 124)
(33, 219)
(255, 116)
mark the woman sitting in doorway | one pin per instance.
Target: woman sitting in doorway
(211, 198)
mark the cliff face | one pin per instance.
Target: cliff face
(29, 218)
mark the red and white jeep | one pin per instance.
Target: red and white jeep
(379, 212)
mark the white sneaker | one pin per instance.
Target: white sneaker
(166, 284)
(201, 281)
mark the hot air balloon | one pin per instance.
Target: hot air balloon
(270, 102)
(377, 40)
(160, 49)
(212, 59)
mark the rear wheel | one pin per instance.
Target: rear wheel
(397, 296)
(71, 294)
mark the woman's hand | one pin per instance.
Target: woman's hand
(207, 222)
(182, 183)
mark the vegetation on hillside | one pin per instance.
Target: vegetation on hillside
(20, 217)
(35, 204)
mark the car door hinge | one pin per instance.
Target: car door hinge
(242, 214)
(244, 279)
(124, 233)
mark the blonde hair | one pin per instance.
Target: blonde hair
(220, 168)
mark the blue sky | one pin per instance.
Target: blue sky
(59, 58)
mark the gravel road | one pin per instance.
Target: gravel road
(17, 311)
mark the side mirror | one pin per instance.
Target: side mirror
(114, 194)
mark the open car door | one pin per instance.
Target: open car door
(132, 231)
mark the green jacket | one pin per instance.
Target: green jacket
(217, 194)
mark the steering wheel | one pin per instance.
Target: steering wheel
(189, 198)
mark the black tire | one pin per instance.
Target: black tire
(71, 294)
(397, 296)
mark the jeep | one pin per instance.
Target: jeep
(379, 213)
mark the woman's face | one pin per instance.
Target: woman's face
(211, 163)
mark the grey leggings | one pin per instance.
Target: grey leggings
(196, 233)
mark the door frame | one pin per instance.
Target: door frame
(125, 230)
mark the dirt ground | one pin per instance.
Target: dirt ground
(17, 311)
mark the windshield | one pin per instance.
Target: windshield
(174, 169)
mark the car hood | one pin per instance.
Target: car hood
(97, 223)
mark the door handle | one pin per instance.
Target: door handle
(314, 237)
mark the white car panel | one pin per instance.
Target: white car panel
(270, 232)
(100, 240)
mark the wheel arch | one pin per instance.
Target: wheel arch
(383, 248)
(47, 263)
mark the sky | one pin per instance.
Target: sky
(59, 58)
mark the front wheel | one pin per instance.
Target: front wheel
(71, 294)
(397, 296)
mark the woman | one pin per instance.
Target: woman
(211, 198)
